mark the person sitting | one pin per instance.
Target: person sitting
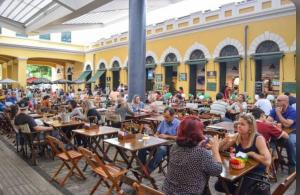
(240, 105)
(137, 105)
(286, 115)
(267, 129)
(191, 164)
(246, 140)
(220, 107)
(263, 104)
(76, 111)
(91, 114)
(167, 129)
(153, 107)
(22, 118)
(11, 98)
(45, 104)
(123, 109)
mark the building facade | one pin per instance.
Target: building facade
(250, 46)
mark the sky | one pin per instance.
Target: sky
(177, 10)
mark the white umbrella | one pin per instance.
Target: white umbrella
(7, 81)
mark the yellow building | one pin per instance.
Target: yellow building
(250, 45)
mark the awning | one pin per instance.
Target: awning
(228, 59)
(151, 65)
(83, 75)
(170, 64)
(270, 55)
(196, 62)
(94, 78)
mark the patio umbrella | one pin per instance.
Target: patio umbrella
(7, 81)
(62, 81)
(31, 79)
(42, 81)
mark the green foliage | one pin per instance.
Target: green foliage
(39, 71)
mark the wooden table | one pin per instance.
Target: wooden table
(231, 175)
(133, 145)
(36, 115)
(138, 115)
(59, 125)
(95, 136)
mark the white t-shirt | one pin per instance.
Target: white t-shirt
(265, 105)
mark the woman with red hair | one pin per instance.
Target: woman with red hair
(191, 164)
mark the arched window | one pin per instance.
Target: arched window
(229, 50)
(69, 71)
(150, 60)
(58, 71)
(102, 66)
(88, 68)
(267, 46)
(197, 54)
(115, 64)
(171, 57)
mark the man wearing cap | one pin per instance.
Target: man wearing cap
(286, 115)
(22, 118)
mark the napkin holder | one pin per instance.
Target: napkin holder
(90, 126)
(124, 135)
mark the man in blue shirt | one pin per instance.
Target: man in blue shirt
(12, 98)
(286, 115)
(167, 129)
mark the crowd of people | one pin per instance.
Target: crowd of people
(190, 164)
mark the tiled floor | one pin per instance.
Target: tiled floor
(26, 179)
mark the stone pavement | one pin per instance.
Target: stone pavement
(17, 177)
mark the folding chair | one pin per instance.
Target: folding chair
(69, 159)
(31, 139)
(282, 188)
(107, 172)
(142, 189)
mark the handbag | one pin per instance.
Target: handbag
(260, 184)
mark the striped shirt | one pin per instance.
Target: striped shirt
(219, 107)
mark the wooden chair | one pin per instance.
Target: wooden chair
(142, 189)
(107, 172)
(282, 188)
(31, 139)
(69, 159)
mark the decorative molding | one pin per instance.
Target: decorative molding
(115, 58)
(151, 53)
(293, 47)
(170, 50)
(229, 41)
(102, 61)
(268, 36)
(22, 58)
(196, 46)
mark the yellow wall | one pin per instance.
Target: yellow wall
(211, 38)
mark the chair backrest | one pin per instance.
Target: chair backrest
(56, 145)
(282, 188)
(145, 190)
(93, 160)
(24, 128)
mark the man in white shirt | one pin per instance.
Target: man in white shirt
(263, 104)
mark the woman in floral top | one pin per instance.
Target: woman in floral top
(191, 164)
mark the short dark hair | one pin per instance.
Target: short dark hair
(170, 110)
(190, 132)
(23, 103)
(287, 93)
(73, 103)
(257, 112)
(219, 96)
